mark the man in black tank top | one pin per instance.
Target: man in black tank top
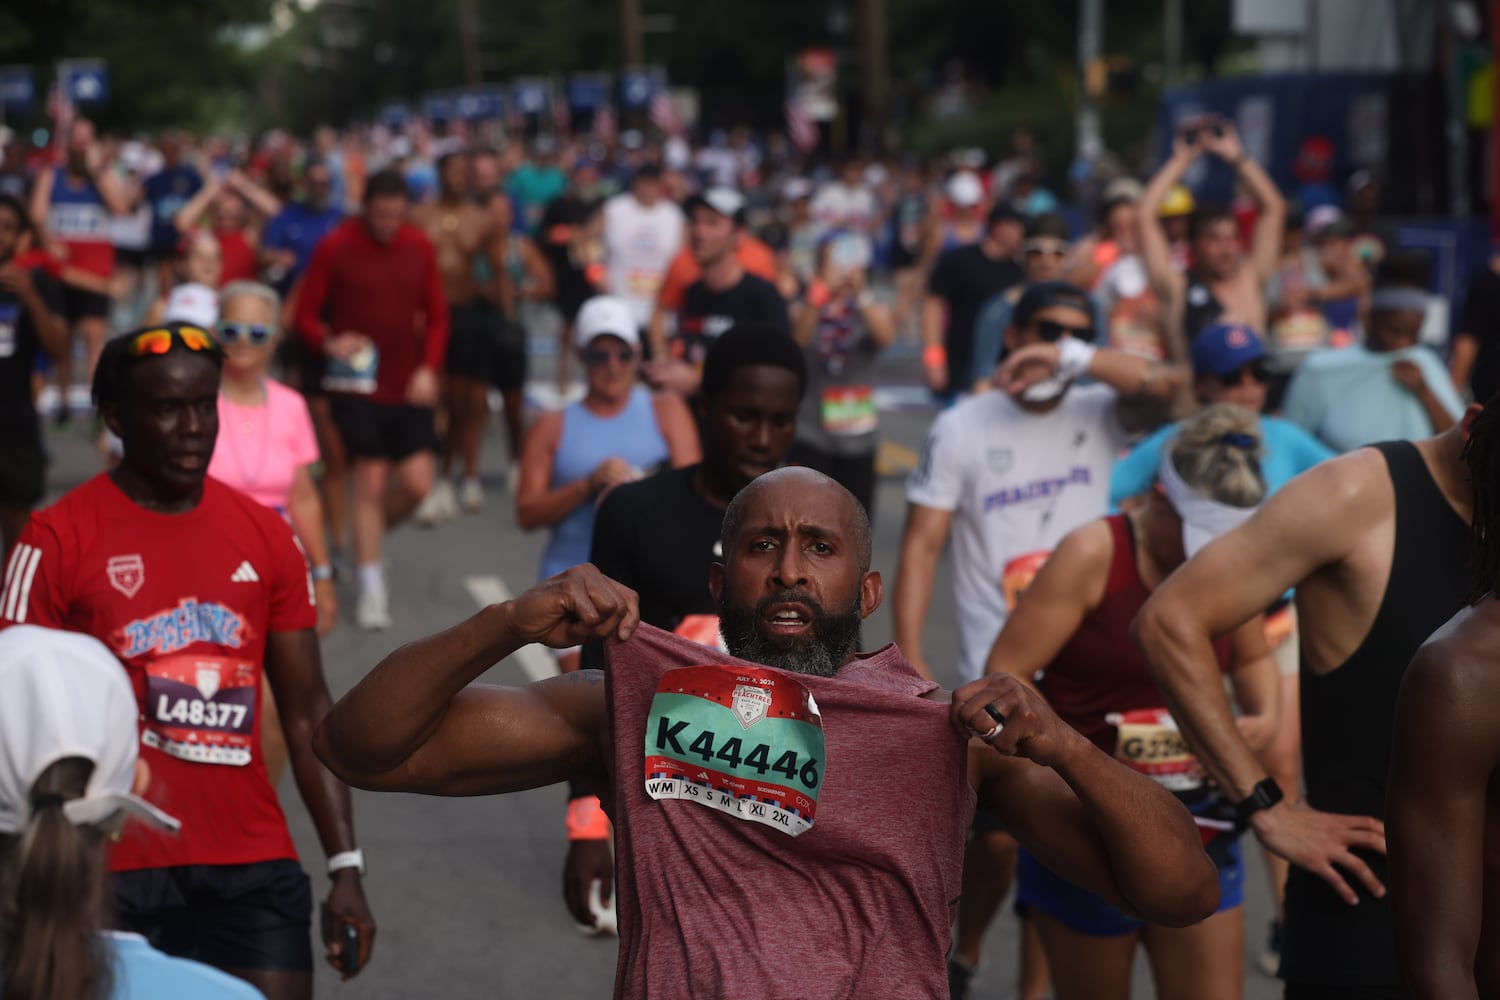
(1375, 542)
(1445, 775)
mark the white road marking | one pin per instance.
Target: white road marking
(535, 661)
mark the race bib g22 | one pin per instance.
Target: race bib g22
(743, 741)
(201, 708)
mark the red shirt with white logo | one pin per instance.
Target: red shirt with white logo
(186, 601)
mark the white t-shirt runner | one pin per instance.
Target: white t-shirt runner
(1016, 483)
(639, 244)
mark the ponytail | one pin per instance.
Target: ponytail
(1217, 453)
(51, 894)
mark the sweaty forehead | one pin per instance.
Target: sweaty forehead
(795, 499)
(180, 374)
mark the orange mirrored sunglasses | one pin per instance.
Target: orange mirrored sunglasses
(159, 341)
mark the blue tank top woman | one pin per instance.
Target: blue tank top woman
(588, 439)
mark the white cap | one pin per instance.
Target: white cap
(796, 188)
(192, 303)
(67, 696)
(605, 315)
(964, 189)
(724, 200)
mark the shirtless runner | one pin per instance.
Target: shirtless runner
(1444, 802)
(462, 232)
(1224, 284)
(1375, 543)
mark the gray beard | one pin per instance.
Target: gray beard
(835, 636)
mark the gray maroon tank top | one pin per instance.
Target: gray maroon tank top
(780, 835)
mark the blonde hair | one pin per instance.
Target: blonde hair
(1217, 453)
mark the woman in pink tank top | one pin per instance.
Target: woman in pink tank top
(1069, 639)
(266, 449)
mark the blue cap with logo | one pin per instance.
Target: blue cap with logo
(1225, 348)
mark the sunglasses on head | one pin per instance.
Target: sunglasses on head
(159, 341)
(254, 333)
(1052, 331)
(598, 357)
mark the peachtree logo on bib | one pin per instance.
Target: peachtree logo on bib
(750, 704)
(206, 680)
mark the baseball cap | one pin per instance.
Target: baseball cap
(67, 696)
(796, 188)
(192, 303)
(605, 315)
(1045, 295)
(1327, 222)
(724, 200)
(1225, 348)
(1179, 201)
(964, 189)
(1122, 189)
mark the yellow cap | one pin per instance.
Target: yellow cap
(1179, 201)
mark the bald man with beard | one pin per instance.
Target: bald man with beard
(762, 798)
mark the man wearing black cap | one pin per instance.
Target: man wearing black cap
(725, 296)
(642, 232)
(1046, 248)
(962, 281)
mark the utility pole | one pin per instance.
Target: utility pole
(468, 30)
(1091, 27)
(874, 73)
(630, 33)
(1172, 41)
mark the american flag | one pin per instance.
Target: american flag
(801, 129)
(664, 113)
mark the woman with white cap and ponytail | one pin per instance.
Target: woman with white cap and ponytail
(69, 783)
(1069, 638)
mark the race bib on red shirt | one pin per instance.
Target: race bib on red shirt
(743, 741)
(201, 708)
(1149, 742)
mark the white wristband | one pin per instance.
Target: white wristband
(347, 859)
(1073, 358)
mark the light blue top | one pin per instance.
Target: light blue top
(143, 973)
(588, 439)
(1349, 398)
(1286, 451)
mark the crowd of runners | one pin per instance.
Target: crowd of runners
(1208, 477)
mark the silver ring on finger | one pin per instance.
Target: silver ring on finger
(987, 737)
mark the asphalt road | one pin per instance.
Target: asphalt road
(467, 891)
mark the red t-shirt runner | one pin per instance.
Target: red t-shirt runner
(186, 601)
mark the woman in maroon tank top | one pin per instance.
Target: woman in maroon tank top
(1069, 638)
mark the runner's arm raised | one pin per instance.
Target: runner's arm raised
(1442, 763)
(1312, 522)
(1155, 250)
(1069, 586)
(677, 426)
(415, 723)
(1082, 813)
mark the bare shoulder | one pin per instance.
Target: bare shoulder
(1344, 495)
(1456, 666)
(1091, 546)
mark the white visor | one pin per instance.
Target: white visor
(1203, 519)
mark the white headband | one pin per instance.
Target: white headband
(1203, 519)
(1393, 299)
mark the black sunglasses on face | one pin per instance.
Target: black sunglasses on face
(1256, 370)
(598, 357)
(1052, 331)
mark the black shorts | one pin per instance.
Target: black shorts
(1304, 991)
(509, 369)
(22, 473)
(135, 259)
(80, 303)
(473, 340)
(393, 431)
(303, 365)
(256, 916)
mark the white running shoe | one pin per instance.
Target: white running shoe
(373, 613)
(471, 496)
(438, 505)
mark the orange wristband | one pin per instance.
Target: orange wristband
(586, 819)
(935, 356)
